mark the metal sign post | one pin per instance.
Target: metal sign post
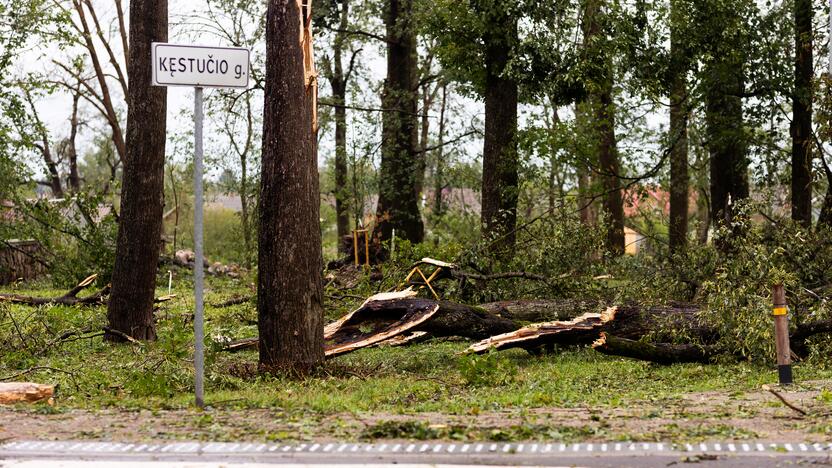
(199, 67)
(199, 272)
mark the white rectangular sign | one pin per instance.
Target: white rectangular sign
(207, 67)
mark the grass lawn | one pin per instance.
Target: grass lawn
(423, 391)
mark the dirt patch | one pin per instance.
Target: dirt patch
(691, 417)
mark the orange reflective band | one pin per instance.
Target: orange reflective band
(781, 311)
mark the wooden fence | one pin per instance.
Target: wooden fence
(17, 262)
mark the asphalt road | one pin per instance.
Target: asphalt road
(70, 454)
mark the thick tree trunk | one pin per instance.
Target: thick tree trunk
(679, 180)
(499, 159)
(138, 244)
(379, 321)
(660, 353)
(398, 207)
(630, 322)
(289, 292)
(801, 126)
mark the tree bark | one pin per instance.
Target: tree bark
(801, 125)
(601, 101)
(438, 173)
(724, 82)
(679, 180)
(138, 243)
(660, 353)
(338, 83)
(398, 207)
(499, 158)
(289, 292)
(72, 151)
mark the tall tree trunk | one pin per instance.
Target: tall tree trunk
(554, 187)
(289, 292)
(398, 207)
(679, 179)
(438, 173)
(338, 83)
(604, 123)
(499, 158)
(801, 126)
(138, 245)
(726, 141)
(72, 152)
(245, 209)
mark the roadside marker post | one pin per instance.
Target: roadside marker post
(199, 67)
(781, 332)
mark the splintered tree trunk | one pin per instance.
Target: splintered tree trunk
(130, 309)
(398, 206)
(289, 293)
(679, 180)
(801, 126)
(499, 157)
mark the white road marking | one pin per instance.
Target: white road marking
(732, 448)
(396, 447)
(803, 447)
(789, 447)
(314, 447)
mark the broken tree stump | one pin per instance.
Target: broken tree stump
(24, 392)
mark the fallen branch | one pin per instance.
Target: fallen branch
(121, 334)
(70, 298)
(783, 399)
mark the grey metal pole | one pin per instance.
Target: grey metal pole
(199, 332)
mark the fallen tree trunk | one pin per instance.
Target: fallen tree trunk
(628, 322)
(541, 310)
(400, 318)
(70, 298)
(24, 392)
(660, 353)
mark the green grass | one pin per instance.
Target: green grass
(422, 379)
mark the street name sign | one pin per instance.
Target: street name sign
(199, 66)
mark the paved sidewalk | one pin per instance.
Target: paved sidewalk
(71, 454)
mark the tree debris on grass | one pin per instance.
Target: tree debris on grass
(25, 392)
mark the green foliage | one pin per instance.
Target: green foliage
(491, 368)
(77, 235)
